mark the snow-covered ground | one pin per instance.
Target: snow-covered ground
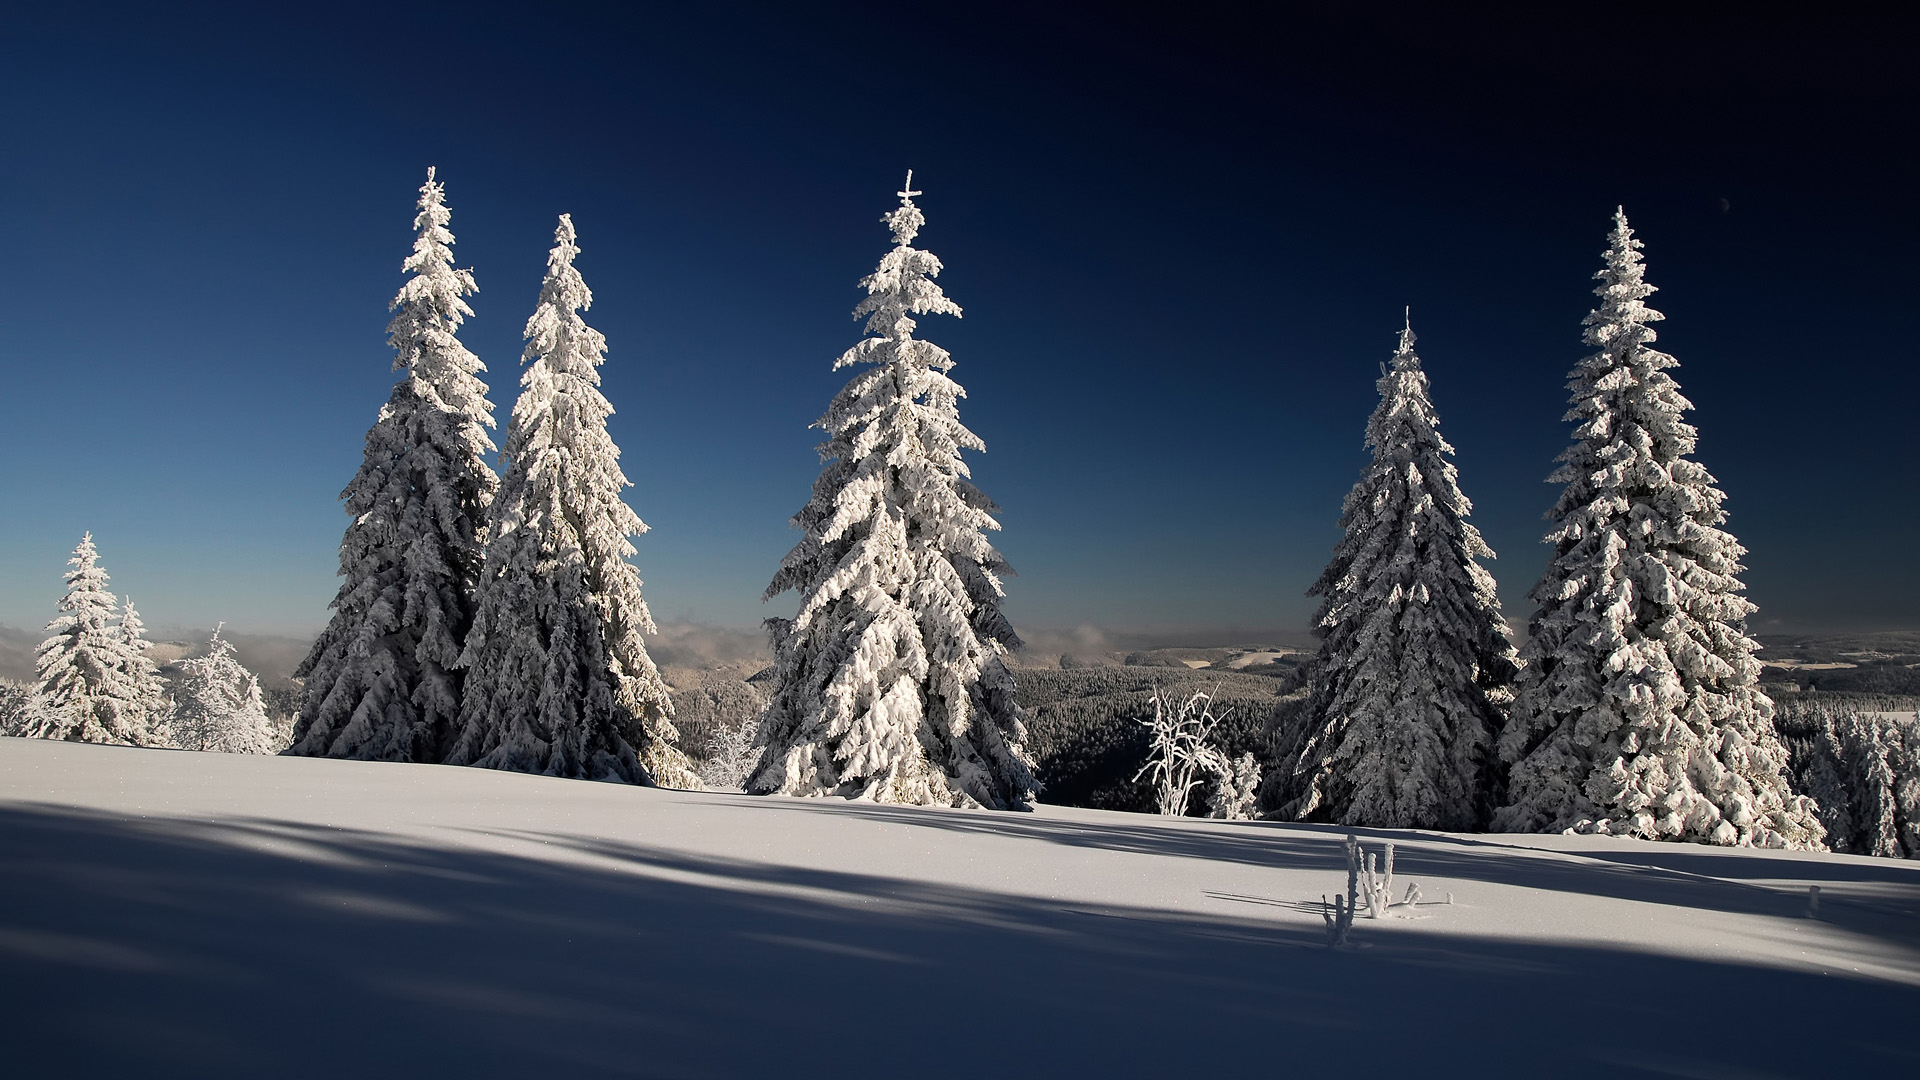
(165, 913)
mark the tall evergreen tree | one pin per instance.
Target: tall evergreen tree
(558, 677)
(892, 683)
(1415, 670)
(380, 681)
(85, 686)
(1639, 711)
(220, 706)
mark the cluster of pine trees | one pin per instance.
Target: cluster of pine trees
(490, 620)
(496, 622)
(97, 683)
(1862, 770)
(1634, 707)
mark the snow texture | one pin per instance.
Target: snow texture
(1415, 670)
(558, 678)
(220, 708)
(380, 681)
(236, 916)
(1638, 711)
(92, 682)
(891, 680)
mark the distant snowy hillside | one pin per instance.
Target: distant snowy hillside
(179, 914)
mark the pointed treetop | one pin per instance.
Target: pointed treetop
(905, 220)
(1403, 357)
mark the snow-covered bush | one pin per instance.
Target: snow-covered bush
(1235, 789)
(730, 755)
(1369, 883)
(219, 707)
(1415, 671)
(1340, 911)
(1638, 710)
(380, 681)
(891, 681)
(558, 678)
(1181, 754)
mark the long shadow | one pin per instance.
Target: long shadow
(173, 947)
(1679, 878)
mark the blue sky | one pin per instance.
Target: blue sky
(1183, 250)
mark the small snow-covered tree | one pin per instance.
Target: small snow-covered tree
(731, 755)
(891, 680)
(558, 677)
(1639, 711)
(1181, 755)
(1235, 789)
(147, 688)
(86, 689)
(380, 681)
(1415, 671)
(219, 704)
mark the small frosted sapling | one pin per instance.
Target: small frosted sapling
(1183, 757)
(1369, 878)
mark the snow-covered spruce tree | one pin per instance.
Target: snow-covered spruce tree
(558, 677)
(1638, 710)
(220, 707)
(85, 683)
(380, 680)
(148, 689)
(891, 681)
(1415, 671)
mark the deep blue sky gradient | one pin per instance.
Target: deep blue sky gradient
(1183, 247)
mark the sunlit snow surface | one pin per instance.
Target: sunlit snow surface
(184, 914)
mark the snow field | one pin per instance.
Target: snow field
(233, 915)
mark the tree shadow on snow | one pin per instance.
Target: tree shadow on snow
(176, 947)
